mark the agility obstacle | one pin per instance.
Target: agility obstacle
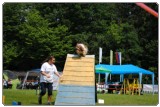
(129, 87)
(77, 85)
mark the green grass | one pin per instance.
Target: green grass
(130, 100)
(29, 97)
(26, 97)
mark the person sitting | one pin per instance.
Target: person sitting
(36, 84)
(5, 84)
(9, 83)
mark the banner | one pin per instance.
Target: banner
(111, 57)
(118, 57)
(100, 55)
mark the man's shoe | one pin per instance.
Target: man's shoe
(39, 100)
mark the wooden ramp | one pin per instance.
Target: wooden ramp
(77, 86)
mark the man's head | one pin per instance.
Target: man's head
(51, 59)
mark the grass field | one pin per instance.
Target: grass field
(29, 97)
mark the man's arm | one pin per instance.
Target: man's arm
(57, 73)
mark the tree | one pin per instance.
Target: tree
(37, 30)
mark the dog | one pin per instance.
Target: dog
(81, 49)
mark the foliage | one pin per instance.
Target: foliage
(10, 53)
(32, 31)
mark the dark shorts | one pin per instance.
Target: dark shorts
(46, 86)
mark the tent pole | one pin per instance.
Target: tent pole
(153, 83)
(121, 77)
(25, 80)
(140, 82)
(106, 77)
(110, 77)
(99, 77)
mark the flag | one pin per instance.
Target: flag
(118, 57)
(111, 57)
(100, 55)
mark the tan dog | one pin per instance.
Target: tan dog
(81, 49)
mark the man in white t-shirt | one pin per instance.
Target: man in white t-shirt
(48, 69)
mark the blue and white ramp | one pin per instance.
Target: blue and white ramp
(77, 86)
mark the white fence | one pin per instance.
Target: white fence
(148, 88)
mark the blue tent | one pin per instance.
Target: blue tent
(125, 69)
(36, 70)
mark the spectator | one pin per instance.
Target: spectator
(9, 83)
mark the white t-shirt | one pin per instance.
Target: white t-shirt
(49, 69)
